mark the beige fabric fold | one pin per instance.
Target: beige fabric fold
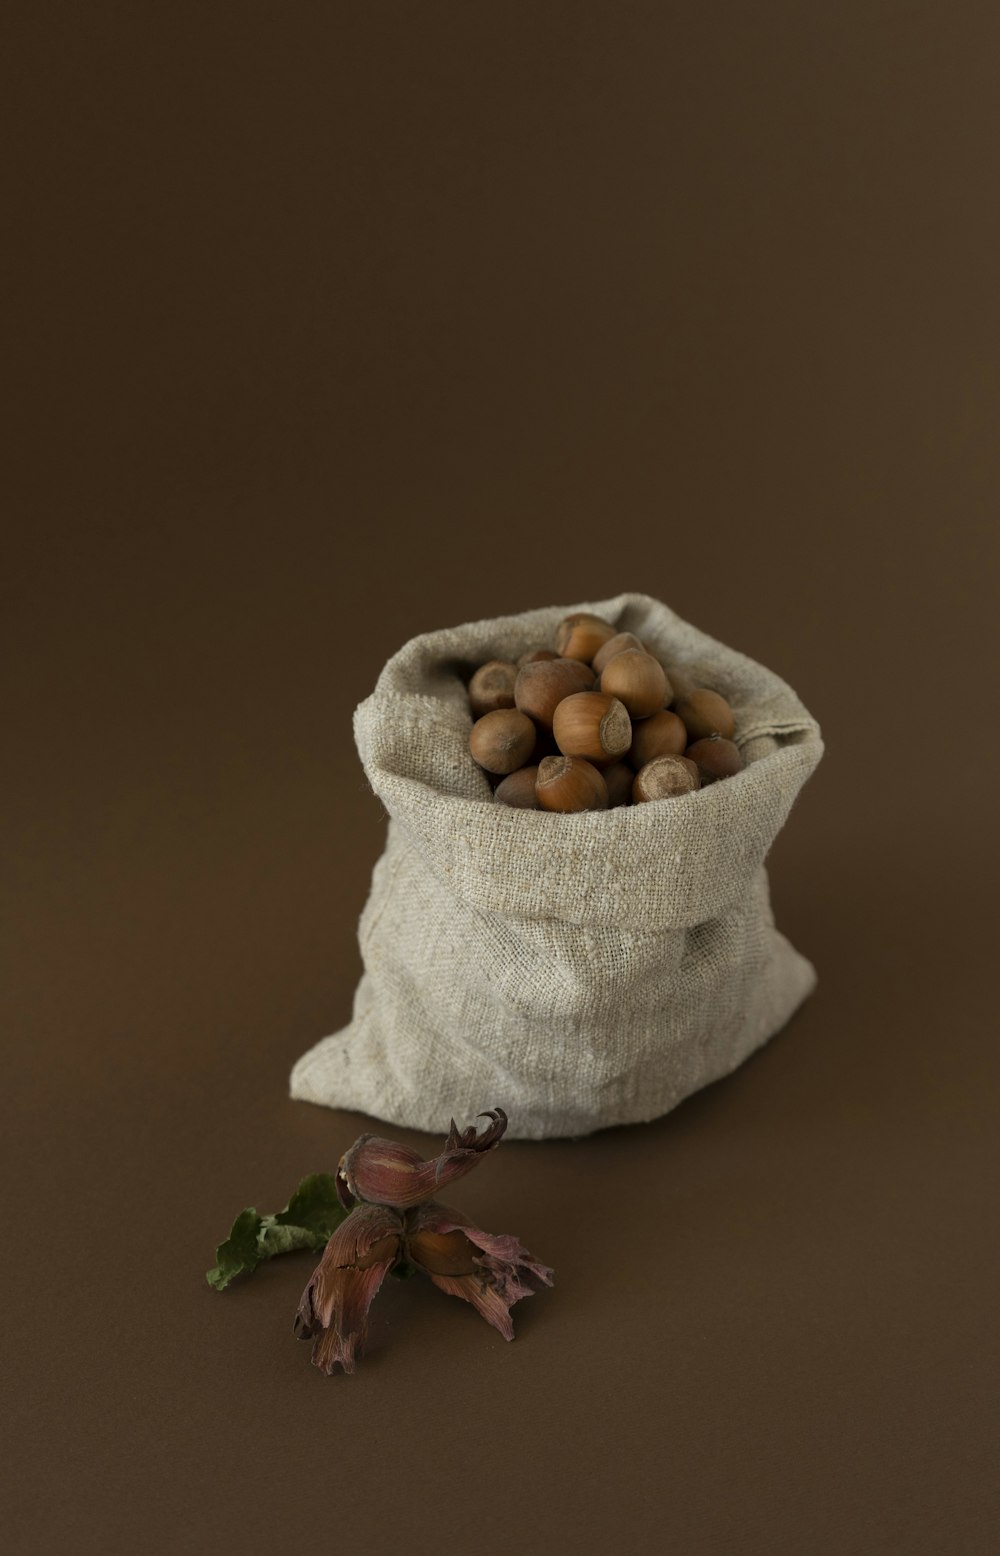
(577, 971)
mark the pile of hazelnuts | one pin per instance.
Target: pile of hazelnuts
(595, 722)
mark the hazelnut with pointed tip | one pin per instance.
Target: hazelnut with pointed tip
(662, 734)
(619, 778)
(638, 680)
(541, 686)
(518, 789)
(569, 783)
(535, 655)
(616, 645)
(715, 757)
(680, 679)
(580, 635)
(705, 713)
(545, 745)
(592, 725)
(664, 778)
(492, 687)
(502, 741)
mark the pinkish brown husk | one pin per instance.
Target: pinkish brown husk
(491, 1272)
(383, 1172)
(333, 1309)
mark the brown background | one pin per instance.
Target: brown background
(338, 323)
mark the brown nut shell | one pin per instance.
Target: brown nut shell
(541, 686)
(619, 778)
(518, 789)
(638, 680)
(664, 778)
(592, 725)
(580, 635)
(680, 679)
(569, 783)
(534, 655)
(705, 713)
(545, 745)
(662, 734)
(492, 687)
(616, 645)
(502, 741)
(715, 757)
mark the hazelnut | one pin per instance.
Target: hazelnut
(592, 725)
(541, 686)
(705, 713)
(613, 646)
(638, 680)
(664, 778)
(680, 680)
(545, 745)
(502, 741)
(518, 789)
(492, 687)
(715, 757)
(534, 655)
(662, 734)
(618, 778)
(568, 783)
(580, 636)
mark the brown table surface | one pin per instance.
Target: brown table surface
(335, 324)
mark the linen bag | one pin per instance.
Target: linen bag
(575, 970)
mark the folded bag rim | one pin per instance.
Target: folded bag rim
(688, 858)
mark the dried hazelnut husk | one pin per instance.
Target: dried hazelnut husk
(638, 680)
(518, 789)
(662, 734)
(618, 778)
(580, 635)
(715, 757)
(705, 713)
(492, 687)
(616, 645)
(535, 655)
(502, 741)
(541, 686)
(592, 725)
(664, 778)
(569, 783)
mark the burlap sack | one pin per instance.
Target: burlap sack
(577, 970)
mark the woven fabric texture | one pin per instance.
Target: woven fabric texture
(578, 970)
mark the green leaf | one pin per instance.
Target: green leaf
(275, 1238)
(315, 1205)
(309, 1220)
(238, 1252)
